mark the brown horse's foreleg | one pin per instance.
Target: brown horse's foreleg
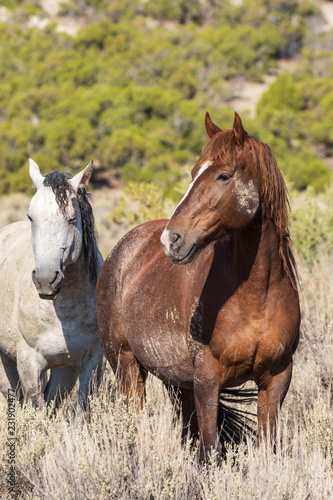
(184, 405)
(189, 415)
(206, 396)
(270, 398)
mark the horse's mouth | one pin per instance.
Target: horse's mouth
(48, 296)
(49, 292)
(188, 257)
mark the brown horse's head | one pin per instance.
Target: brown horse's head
(224, 193)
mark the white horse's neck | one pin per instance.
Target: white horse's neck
(76, 277)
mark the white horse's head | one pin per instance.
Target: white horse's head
(56, 226)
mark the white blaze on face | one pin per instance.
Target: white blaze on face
(202, 169)
(247, 196)
(165, 240)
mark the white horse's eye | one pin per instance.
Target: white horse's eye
(72, 219)
(29, 217)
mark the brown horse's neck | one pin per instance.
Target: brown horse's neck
(257, 261)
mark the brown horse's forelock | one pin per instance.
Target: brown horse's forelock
(272, 187)
(61, 187)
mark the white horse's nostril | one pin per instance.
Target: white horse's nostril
(56, 276)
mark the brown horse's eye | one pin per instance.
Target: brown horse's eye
(223, 177)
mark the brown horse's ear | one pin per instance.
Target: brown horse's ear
(211, 128)
(239, 130)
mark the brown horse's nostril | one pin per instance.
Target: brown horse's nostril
(176, 240)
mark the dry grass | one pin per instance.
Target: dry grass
(125, 455)
(13, 208)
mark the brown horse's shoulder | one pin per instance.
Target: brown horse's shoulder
(128, 253)
(137, 237)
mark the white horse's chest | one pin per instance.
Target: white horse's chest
(60, 331)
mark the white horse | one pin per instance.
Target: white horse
(56, 259)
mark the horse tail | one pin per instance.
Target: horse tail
(235, 424)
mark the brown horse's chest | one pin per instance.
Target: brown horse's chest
(246, 341)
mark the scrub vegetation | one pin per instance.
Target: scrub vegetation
(130, 91)
(131, 88)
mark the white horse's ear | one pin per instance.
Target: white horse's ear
(81, 179)
(35, 174)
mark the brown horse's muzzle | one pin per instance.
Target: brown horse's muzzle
(175, 247)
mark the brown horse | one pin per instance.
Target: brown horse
(231, 314)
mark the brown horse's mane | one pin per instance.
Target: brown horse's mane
(273, 191)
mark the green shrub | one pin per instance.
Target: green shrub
(141, 202)
(283, 94)
(304, 169)
(130, 90)
(312, 224)
(289, 128)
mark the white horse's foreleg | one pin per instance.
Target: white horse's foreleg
(9, 378)
(31, 367)
(90, 377)
(62, 381)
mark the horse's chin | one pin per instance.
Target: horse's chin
(48, 296)
(188, 257)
